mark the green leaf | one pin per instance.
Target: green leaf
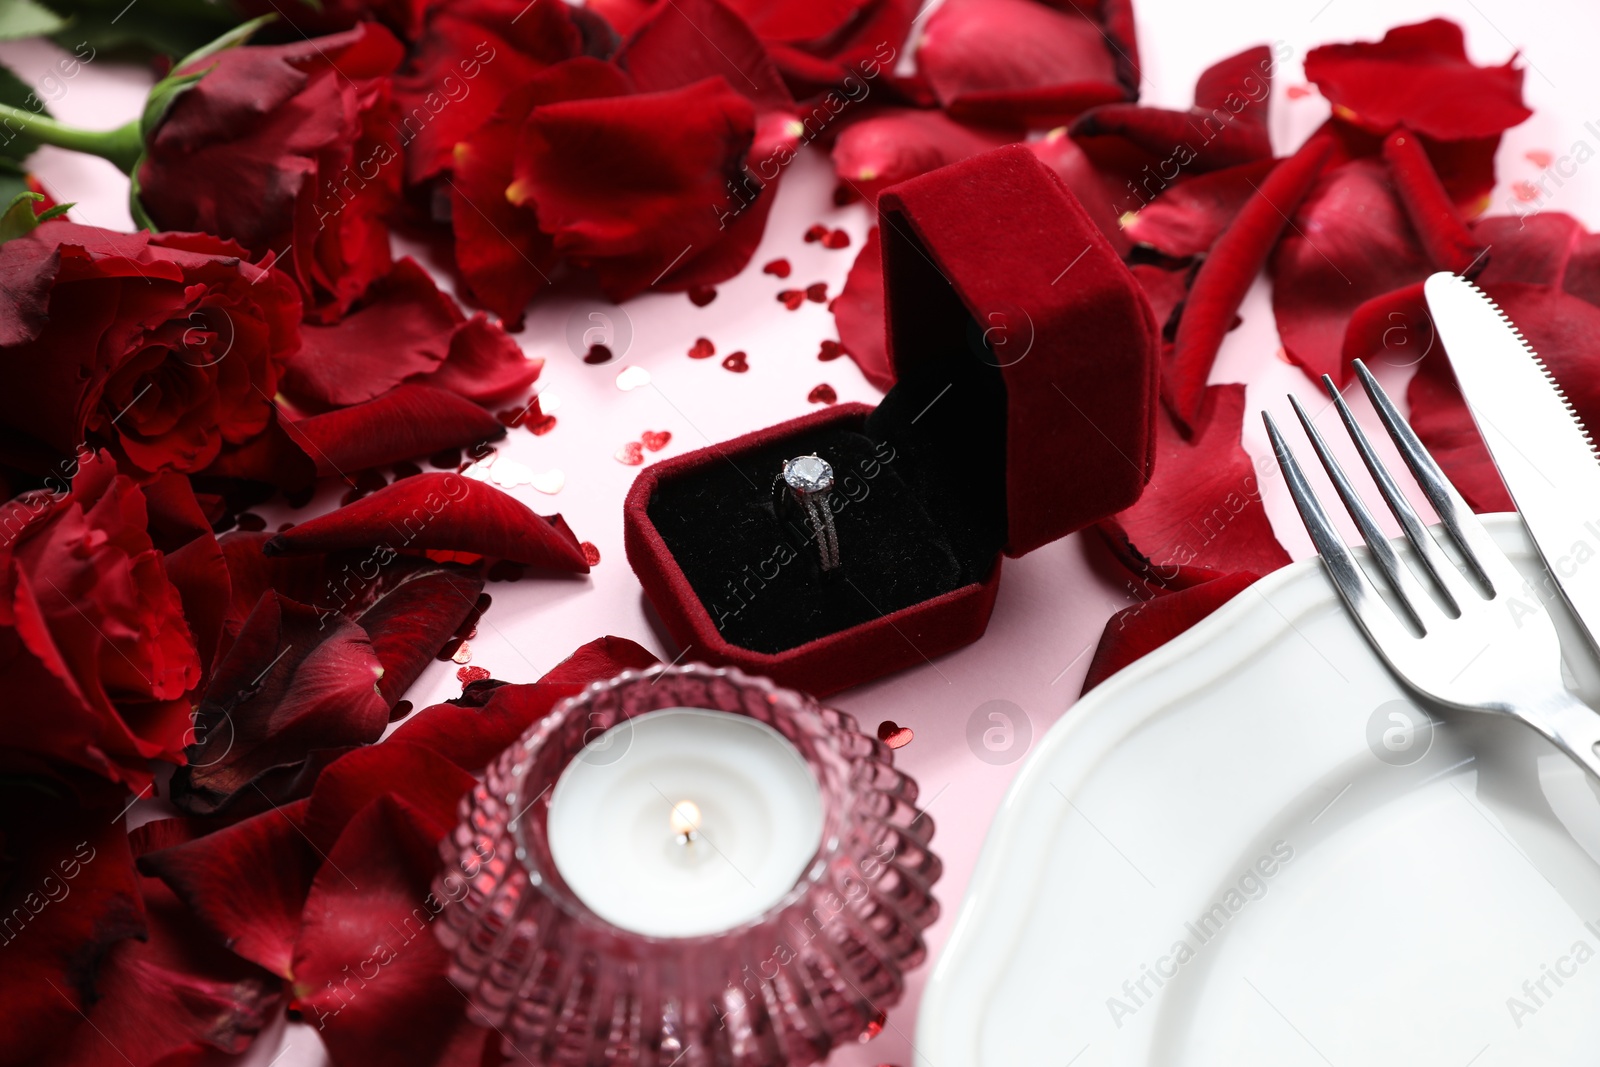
(15, 146)
(26, 18)
(18, 219)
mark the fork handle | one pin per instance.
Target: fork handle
(1569, 724)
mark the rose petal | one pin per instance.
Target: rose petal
(1061, 154)
(370, 913)
(1582, 275)
(424, 779)
(246, 883)
(1418, 76)
(1350, 242)
(1017, 61)
(440, 511)
(1443, 235)
(1226, 127)
(485, 364)
(1187, 218)
(473, 730)
(1535, 250)
(1227, 274)
(688, 40)
(1564, 330)
(297, 680)
(1141, 629)
(1203, 506)
(858, 312)
(414, 618)
(406, 422)
(894, 144)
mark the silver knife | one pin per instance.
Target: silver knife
(1543, 453)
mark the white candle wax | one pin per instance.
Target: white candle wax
(684, 821)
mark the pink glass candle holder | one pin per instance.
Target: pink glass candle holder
(816, 969)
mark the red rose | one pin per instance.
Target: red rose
(290, 150)
(160, 347)
(96, 659)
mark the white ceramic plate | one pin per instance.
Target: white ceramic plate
(1206, 862)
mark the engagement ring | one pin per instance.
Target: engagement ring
(805, 485)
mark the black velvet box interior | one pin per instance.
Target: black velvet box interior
(919, 500)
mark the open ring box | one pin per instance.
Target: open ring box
(1026, 359)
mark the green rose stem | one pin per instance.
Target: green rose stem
(120, 146)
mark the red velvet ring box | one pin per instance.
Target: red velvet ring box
(1024, 409)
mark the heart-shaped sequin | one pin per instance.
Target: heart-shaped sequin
(737, 362)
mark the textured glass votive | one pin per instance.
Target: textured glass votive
(817, 968)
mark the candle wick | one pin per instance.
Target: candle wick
(685, 822)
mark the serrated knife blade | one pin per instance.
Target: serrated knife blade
(1543, 453)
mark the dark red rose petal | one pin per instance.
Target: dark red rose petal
(370, 912)
(1203, 506)
(1227, 273)
(1582, 275)
(1535, 250)
(1141, 629)
(1226, 127)
(296, 681)
(1017, 61)
(1418, 76)
(1187, 218)
(440, 511)
(413, 617)
(686, 41)
(406, 422)
(1437, 224)
(1351, 241)
(1165, 289)
(246, 883)
(858, 312)
(899, 143)
(1092, 188)
(424, 779)
(471, 734)
(485, 364)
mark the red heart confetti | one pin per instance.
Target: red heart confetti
(655, 440)
(1298, 92)
(1525, 191)
(702, 349)
(462, 654)
(836, 239)
(817, 292)
(701, 295)
(738, 362)
(541, 425)
(467, 675)
(1538, 157)
(816, 233)
(597, 355)
(893, 734)
(591, 554)
(778, 268)
(823, 394)
(630, 454)
(792, 298)
(831, 350)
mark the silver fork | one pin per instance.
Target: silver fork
(1495, 649)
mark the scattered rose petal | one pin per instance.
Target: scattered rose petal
(823, 394)
(737, 362)
(1135, 631)
(411, 617)
(836, 239)
(701, 295)
(407, 421)
(655, 440)
(895, 144)
(630, 454)
(632, 377)
(440, 511)
(1435, 219)
(858, 313)
(702, 349)
(1187, 218)
(778, 268)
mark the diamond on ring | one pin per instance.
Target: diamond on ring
(808, 480)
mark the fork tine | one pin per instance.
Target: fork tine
(1470, 537)
(1348, 578)
(1396, 576)
(1446, 578)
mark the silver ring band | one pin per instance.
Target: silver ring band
(808, 481)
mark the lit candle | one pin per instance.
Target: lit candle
(682, 822)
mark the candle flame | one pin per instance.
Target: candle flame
(685, 820)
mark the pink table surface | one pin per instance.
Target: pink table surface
(1052, 603)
